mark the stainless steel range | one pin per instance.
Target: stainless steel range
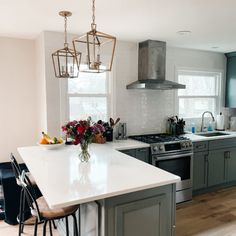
(175, 155)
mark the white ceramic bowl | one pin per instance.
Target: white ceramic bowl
(52, 146)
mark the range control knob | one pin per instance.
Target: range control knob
(183, 145)
(155, 148)
(161, 148)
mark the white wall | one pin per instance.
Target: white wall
(41, 85)
(147, 111)
(18, 119)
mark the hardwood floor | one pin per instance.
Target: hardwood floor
(10, 230)
(212, 214)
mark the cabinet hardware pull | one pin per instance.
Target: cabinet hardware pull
(205, 168)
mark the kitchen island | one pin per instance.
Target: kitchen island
(119, 195)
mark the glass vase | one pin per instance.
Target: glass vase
(84, 155)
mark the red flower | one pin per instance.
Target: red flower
(81, 129)
(64, 128)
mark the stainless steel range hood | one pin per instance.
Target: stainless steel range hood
(152, 66)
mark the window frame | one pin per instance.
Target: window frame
(200, 72)
(65, 97)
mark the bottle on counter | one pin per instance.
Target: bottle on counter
(193, 128)
(220, 122)
(210, 126)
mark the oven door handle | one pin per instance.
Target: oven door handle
(162, 158)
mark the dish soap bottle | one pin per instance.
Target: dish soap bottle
(210, 126)
(193, 128)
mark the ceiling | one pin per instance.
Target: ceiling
(212, 22)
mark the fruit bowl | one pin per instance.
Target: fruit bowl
(51, 146)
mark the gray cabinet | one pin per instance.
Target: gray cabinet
(217, 167)
(214, 163)
(200, 167)
(130, 152)
(143, 217)
(150, 212)
(231, 165)
(141, 154)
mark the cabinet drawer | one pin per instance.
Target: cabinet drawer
(143, 154)
(200, 146)
(130, 152)
(222, 143)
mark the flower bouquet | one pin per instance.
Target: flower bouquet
(82, 132)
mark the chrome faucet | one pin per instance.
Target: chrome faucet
(213, 119)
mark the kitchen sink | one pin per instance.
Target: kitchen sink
(212, 134)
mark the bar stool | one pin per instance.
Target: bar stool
(40, 209)
(17, 172)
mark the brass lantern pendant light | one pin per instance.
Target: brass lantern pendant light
(66, 61)
(97, 48)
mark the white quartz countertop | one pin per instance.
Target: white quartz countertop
(127, 144)
(64, 180)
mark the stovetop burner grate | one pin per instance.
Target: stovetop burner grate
(157, 138)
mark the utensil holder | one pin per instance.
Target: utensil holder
(109, 135)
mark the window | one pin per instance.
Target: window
(202, 93)
(88, 96)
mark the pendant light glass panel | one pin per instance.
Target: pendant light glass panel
(98, 51)
(66, 63)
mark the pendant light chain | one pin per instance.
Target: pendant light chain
(65, 25)
(66, 61)
(93, 16)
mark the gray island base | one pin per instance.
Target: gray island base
(149, 212)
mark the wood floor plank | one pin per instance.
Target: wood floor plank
(10, 230)
(212, 214)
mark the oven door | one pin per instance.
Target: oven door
(177, 164)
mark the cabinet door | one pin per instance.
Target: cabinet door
(143, 154)
(143, 217)
(231, 165)
(230, 96)
(216, 167)
(200, 162)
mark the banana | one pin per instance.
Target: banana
(47, 137)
